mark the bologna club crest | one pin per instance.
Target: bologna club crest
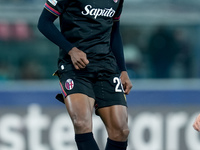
(115, 1)
(69, 84)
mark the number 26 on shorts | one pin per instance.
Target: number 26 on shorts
(118, 87)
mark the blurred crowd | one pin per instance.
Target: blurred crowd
(165, 52)
(24, 55)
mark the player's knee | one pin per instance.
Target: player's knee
(81, 126)
(126, 133)
(120, 134)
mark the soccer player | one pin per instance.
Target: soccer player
(91, 66)
(196, 124)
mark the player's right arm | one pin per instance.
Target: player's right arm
(49, 30)
(46, 26)
(196, 124)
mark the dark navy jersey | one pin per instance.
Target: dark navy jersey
(87, 24)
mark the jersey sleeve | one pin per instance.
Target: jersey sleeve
(119, 11)
(56, 7)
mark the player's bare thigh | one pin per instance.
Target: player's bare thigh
(115, 119)
(80, 109)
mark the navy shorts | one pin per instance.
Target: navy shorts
(104, 87)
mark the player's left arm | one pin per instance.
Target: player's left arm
(117, 49)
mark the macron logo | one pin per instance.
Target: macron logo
(98, 12)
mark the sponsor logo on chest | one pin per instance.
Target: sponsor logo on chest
(96, 12)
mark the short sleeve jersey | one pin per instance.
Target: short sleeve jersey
(87, 24)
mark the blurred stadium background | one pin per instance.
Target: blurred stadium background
(162, 50)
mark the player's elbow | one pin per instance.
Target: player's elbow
(40, 25)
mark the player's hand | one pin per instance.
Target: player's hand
(196, 124)
(79, 58)
(126, 82)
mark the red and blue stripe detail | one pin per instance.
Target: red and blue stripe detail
(53, 11)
